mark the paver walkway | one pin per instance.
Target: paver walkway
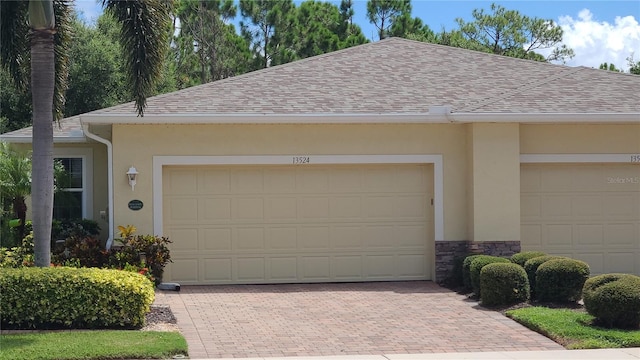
(340, 319)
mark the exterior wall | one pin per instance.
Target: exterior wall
(100, 198)
(481, 165)
(579, 139)
(100, 188)
(495, 168)
(135, 145)
(492, 197)
(469, 182)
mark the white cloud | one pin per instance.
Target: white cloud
(595, 42)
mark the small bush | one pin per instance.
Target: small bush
(87, 251)
(503, 284)
(466, 271)
(64, 229)
(18, 256)
(614, 300)
(522, 257)
(561, 280)
(476, 265)
(60, 297)
(153, 249)
(531, 266)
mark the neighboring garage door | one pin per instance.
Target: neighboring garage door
(587, 212)
(288, 224)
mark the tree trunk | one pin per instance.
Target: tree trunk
(20, 210)
(42, 86)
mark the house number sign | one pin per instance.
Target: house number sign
(135, 205)
(299, 160)
(635, 158)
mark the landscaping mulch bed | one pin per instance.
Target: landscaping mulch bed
(160, 318)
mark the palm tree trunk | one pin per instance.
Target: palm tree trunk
(42, 87)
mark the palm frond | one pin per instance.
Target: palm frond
(14, 37)
(15, 172)
(62, 43)
(144, 37)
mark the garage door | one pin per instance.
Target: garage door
(588, 212)
(287, 224)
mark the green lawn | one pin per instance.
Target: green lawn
(97, 344)
(572, 328)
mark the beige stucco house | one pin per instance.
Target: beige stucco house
(378, 162)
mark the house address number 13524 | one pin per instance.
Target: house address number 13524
(299, 160)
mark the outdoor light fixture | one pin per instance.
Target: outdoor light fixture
(132, 174)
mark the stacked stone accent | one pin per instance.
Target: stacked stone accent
(499, 248)
(447, 251)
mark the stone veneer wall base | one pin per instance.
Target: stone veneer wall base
(448, 251)
(446, 254)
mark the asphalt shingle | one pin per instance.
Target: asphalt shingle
(394, 76)
(403, 76)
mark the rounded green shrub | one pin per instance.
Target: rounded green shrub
(503, 284)
(466, 271)
(614, 300)
(522, 257)
(531, 266)
(561, 280)
(476, 265)
(61, 297)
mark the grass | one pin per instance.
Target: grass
(97, 344)
(573, 328)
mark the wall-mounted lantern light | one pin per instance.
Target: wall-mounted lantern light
(132, 175)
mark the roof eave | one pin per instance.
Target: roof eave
(548, 118)
(56, 139)
(432, 117)
(303, 118)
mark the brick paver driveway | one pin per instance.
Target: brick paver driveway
(340, 319)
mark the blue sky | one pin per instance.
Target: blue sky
(598, 31)
(438, 14)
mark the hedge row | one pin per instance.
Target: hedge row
(527, 275)
(61, 297)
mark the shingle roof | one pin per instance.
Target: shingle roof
(404, 76)
(392, 76)
(67, 130)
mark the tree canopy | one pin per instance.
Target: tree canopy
(383, 14)
(207, 47)
(610, 67)
(34, 49)
(510, 33)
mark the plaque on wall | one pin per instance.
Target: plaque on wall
(135, 205)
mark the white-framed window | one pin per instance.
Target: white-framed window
(74, 200)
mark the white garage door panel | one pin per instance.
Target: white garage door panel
(251, 224)
(589, 212)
